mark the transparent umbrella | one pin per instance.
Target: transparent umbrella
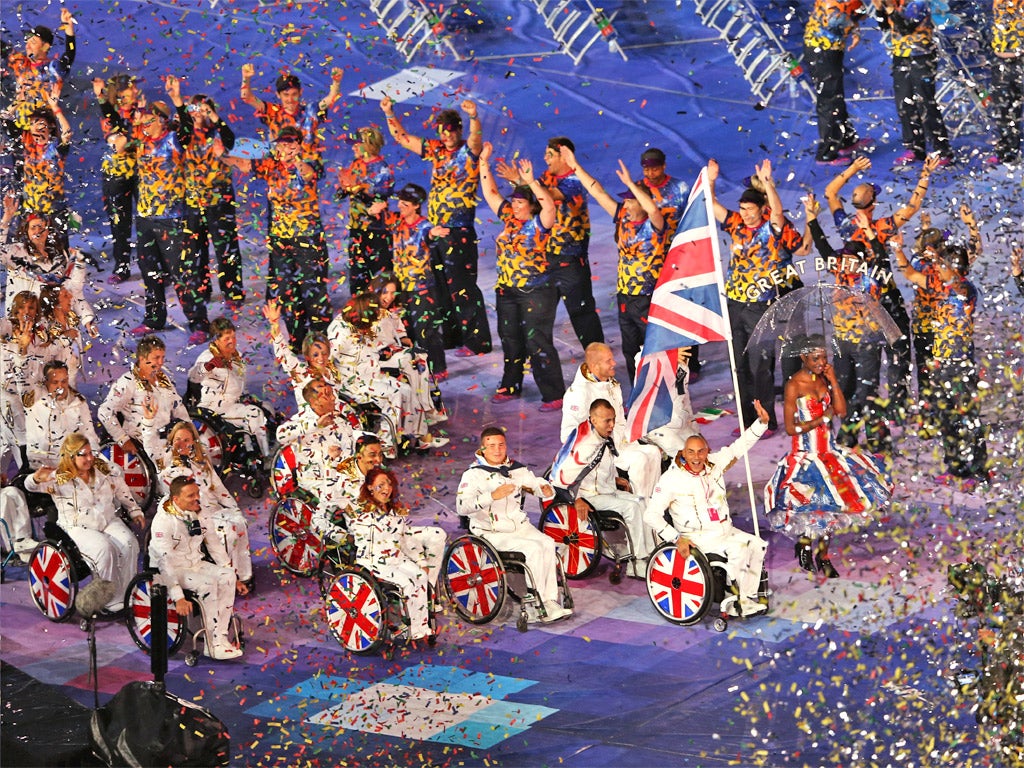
(835, 312)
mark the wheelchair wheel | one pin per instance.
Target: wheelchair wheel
(336, 557)
(211, 440)
(139, 473)
(474, 579)
(577, 541)
(680, 588)
(138, 602)
(52, 581)
(292, 538)
(282, 473)
(357, 611)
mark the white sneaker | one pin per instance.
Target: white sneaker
(728, 606)
(432, 441)
(555, 613)
(24, 548)
(222, 650)
(751, 607)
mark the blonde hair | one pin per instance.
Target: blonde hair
(66, 469)
(198, 454)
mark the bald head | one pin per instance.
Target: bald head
(600, 361)
(695, 453)
(863, 196)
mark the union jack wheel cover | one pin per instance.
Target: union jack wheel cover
(474, 579)
(136, 472)
(292, 538)
(282, 475)
(212, 442)
(140, 616)
(679, 588)
(356, 612)
(577, 541)
(52, 582)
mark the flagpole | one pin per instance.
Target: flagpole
(739, 417)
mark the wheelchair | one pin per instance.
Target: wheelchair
(297, 546)
(365, 613)
(55, 574)
(476, 579)
(580, 544)
(139, 614)
(683, 589)
(139, 472)
(368, 417)
(228, 446)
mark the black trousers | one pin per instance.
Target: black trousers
(425, 313)
(955, 394)
(217, 225)
(828, 74)
(298, 280)
(572, 277)
(526, 324)
(913, 85)
(369, 254)
(118, 201)
(755, 371)
(858, 370)
(467, 324)
(163, 256)
(1008, 100)
(633, 311)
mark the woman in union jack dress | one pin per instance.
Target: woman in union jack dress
(820, 488)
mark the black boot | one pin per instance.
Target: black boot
(803, 554)
(821, 560)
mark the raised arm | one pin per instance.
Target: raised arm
(475, 139)
(906, 213)
(720, 210)
(488, 185)
(778, 215)
(413, 144)
(547, 203)
(589, 183)
(646, 201)
(974, 246)
(248, 70)
(834, 187)
(916, 277)
(334, 93)
(186, 128)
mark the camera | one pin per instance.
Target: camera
(194, 528)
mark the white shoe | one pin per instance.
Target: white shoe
(555, 613)
(222, 650)
(751, 607)
(24, 548)
(432, 441)
(729, 604)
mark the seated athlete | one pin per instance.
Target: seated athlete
(585, 472)
(175, 548)
(491, 496)
(693, 492)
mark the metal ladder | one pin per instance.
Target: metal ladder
(410, 25)
(767, 66)
(572, 22)
(962, 98)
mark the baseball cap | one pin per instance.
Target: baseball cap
(43, 33)
(412, 193)
(652, 158)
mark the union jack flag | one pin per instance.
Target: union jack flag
(354, 611)
(687, 308)
(676, 585)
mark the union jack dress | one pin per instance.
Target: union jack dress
(819, 487)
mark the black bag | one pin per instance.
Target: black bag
(144, 725)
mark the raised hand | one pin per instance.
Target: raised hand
(272, 311)
(526, 171)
